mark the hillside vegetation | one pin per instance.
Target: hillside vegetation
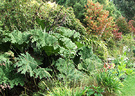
(65, 47)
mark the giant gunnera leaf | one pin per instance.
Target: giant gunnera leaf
(27, 64)
(8, 76)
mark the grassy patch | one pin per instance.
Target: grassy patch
(129, 86)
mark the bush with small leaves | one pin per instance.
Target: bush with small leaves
(18, 14)
(122, 25)
(117, 35)
(132, 25)
(57, 16)
(127, 7)
(110, 6)
(97, 20)
(77, 5)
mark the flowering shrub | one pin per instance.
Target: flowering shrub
(108, 66)
(110, 6)
(97, 20)
(132, 25)
(117, 35)
(122, 25)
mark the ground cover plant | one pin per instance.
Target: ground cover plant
(47, 49)
(129, 86)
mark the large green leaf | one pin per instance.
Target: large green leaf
(45, 41)
(9, 77)
(53, 43)
(26, 63)
(42, 72)
(79, 44)
(68, 70)
(41, 23)
(50, 50)
(72, 34)
(86, 52)
(7, 71)
(87, 60)
(89, 65)
(17, 37)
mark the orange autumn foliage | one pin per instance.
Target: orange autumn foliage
(98, 21)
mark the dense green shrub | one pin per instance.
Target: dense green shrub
(99, 46)
(56, 15)
(7, 71)
(34, 51)
(108, 80)
(132, 26)
(126, 7)
(77, 5)
(17, 14)
(59, 51)
(109, 6)
(122, 25)
(22, 15)
(53, 45)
